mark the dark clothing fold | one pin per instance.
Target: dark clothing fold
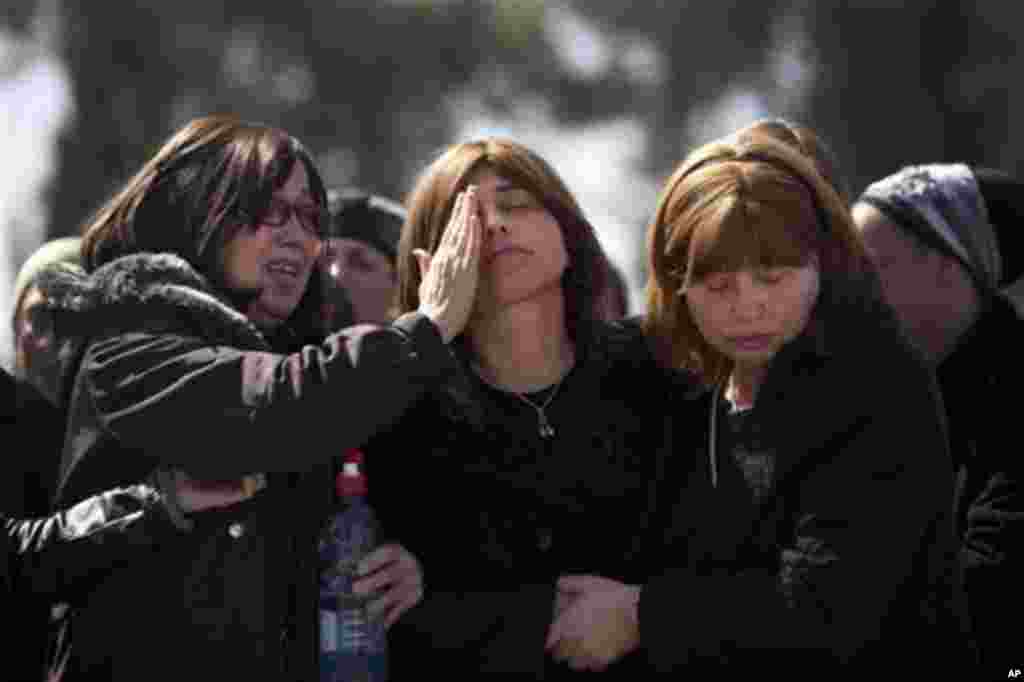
(50, 558)
(980, 382)
(496, 513)
(64, 554)
(837, 548)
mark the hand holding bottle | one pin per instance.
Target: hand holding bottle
(393, 574)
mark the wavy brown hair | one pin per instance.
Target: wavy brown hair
(741, 202)
(213, 177)
(431, 201)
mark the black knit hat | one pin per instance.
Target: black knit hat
(366, 217)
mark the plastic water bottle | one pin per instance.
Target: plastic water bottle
(352, 644)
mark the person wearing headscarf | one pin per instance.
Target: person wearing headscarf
(359, 256)
(37, 356)
(948, 242)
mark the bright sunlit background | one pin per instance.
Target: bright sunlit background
(612, 94)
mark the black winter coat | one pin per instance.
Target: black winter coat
(496, 514)
(171, 376)
(981, 382)
(849, 559)
(49, 558)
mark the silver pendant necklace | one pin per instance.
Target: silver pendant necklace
(544, 427)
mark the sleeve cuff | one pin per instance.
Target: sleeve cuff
(427, 346)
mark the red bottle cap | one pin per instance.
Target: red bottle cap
(351, 481)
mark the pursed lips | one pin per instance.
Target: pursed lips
(504, 249)
(751, 340)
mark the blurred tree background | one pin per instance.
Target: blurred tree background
(376, 88)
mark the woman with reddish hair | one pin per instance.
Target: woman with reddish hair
(811, 527)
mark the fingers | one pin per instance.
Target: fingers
(378, 558)
(458, 232)
(599, 627)
(393, 574)
(474, 239)
(451, 233)
(563, 600)
(392, 604)
(449, 279)
(574, 653)
(470, 216)
(422, 262)
(198, 495)
(454, 231)
(575, 584)
(556, 631)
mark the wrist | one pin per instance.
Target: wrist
(168, 502)
(437, 318)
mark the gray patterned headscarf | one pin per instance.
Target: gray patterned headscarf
(942, 205)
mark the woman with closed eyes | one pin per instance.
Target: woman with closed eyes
(809, 527)
(536, 457)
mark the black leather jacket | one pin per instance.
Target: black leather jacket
(59, 556)
(49, 558)
(63, 556)
(172, 376)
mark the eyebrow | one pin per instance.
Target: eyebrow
(507, 186)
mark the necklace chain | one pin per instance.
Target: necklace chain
(544, 427)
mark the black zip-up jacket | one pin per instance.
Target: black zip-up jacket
(847, 560)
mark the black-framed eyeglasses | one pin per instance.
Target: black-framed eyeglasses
(314, 219)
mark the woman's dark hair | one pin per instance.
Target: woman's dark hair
(433, 197)
(207, 182)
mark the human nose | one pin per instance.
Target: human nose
(493, 219)
(293, 233)
(749, 300)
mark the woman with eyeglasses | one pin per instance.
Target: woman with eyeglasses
(201, 347)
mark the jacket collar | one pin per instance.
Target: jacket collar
(142, 293)
(149, 293)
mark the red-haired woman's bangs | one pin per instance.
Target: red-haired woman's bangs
(752, 229)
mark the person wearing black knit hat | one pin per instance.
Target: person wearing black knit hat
(360, 256)
(950, 248)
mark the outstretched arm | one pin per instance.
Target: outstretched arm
(58, 556)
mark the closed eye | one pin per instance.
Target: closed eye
(772, 275)
(514, 199)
